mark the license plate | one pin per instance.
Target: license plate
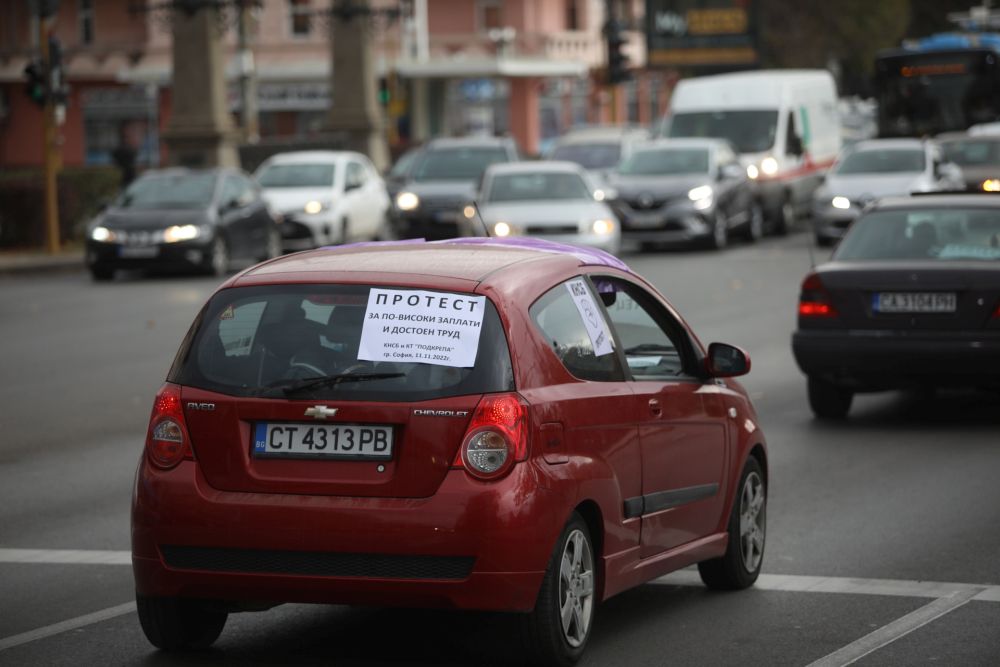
(645, 220)
(322, 441)
(138, 252)
(914, 302)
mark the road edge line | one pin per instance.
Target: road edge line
(64, 626)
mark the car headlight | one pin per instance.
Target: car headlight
(752, 172)
(603, 227)
(991, 185)
(407, 201)
(769, 166)
(701, 196)
(102, 234)
(181, 233)
(842, 203)
(315, 206)
(502, 229)
(469, 212)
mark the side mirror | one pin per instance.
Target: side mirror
(229, 205)
(351, 185)
(605, 193)
(726, 361)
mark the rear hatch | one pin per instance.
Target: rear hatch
(306, 389)
(930, 296)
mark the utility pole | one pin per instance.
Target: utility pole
(248, 74)
(49, 146)
(617, 61)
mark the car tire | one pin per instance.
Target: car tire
(102, 274)
(272, 248)
(343, 231)
(217, 262)
(177, 623)
(755, 225)
(827, 400)
(720, 231)
(786, 217)
(739, 567)
(557, 630)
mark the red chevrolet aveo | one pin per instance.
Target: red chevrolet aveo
(515, 426)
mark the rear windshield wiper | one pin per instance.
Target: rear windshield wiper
(291, 387)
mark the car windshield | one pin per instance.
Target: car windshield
(973, 152)
(666, 162)
(170, 191)
(403, 164)
(456, 164)
(750, 131)
(306, 175)
(306, 340)
(604, 155)
(538, 186)
(881, 161)
(936, 234)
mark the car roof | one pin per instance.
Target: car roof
(683, 142)
(471, 260)
(299, 157)
(879, 144)
(458, 142)
(534, 166)
(934, 201)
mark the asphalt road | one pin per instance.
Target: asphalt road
(883, 538)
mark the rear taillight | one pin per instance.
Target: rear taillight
(497, 437)
(167, 440)
(814, 301)
(996, 313)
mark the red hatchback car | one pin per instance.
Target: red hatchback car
(473, 424)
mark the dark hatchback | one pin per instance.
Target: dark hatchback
(181, 218)
(433, 191)
(910, 299)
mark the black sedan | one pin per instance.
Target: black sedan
(910, 299)
(183, 218)
(685, 191)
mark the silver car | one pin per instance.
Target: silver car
(556, 201)
(871, 170)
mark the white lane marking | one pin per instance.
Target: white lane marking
(66, 556)
(65, 626)
(899, 628)
(852, 586)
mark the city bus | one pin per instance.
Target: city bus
(942, 83)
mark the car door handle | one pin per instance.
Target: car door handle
(655, 408)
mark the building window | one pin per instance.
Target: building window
(490, 14)
(300, 15)
(572, 16)
(85, 16)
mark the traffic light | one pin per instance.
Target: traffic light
(37, 84)
(56, 82)
(384, 93)
(617, 60)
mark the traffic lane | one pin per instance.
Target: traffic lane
(37, 595)
(644, 626)
(904, 489)
(77, 497)
(86, 356)
(966, 636)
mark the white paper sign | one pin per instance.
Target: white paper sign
(426, 327)
(600, 337)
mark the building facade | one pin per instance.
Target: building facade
(530, 68)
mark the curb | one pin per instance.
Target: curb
(31, 263)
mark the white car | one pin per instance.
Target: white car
(324, 197)
(556, 201)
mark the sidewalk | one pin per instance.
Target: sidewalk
(39, 261)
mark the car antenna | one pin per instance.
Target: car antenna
(479, 216)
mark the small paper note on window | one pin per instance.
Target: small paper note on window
(590, 313)
(414, 326)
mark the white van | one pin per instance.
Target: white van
(783, 122)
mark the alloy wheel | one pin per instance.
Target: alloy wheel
(576, 588)
(752, 522)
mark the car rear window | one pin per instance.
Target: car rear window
(882, 162)
(311, 341)
(938, 234)
(307, 175)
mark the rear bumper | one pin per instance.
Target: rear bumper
(472, 545)
(876, 360)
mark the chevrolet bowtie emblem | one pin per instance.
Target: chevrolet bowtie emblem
(321, 412)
